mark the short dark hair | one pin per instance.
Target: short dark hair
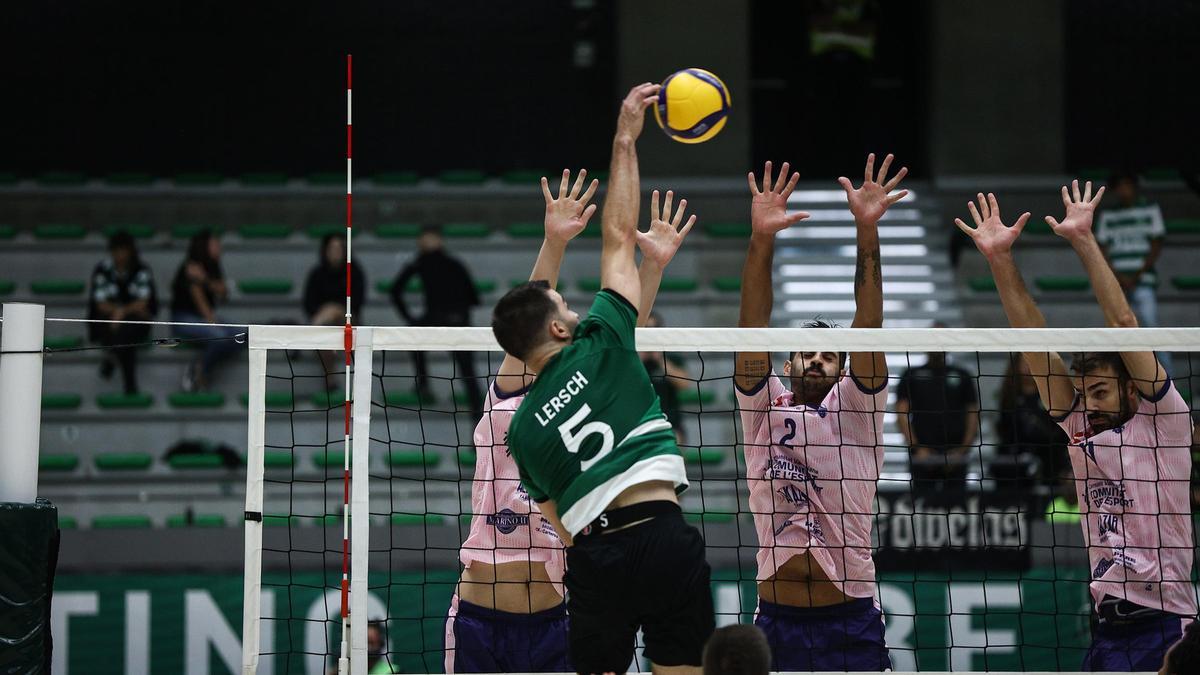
(740, 649)
(1089, 362)
(821, 323)
(519, 319)
(1184, 657)
(1124, 175)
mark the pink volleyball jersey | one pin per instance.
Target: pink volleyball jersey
(1135, 502)
(506, 525)
(812, 473)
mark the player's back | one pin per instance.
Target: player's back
(591, 424)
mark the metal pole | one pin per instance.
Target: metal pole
(20, 400)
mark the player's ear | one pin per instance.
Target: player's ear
(787, 367)
(558, 330)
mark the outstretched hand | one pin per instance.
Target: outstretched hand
(664, 237)
(633, 110)
(991, 236)
(568, 214)
(1077, 223)
(871, 200)
(768, 209)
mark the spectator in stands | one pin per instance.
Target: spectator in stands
(122, 290)
(669, 377)
(738, 649)
(325, 292)
(449, 296)
(1131, 235)
(198, 287)
(1064, 508)
(1025, 429)
(1184, 657)
(937, 409)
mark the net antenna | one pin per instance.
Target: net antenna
(344, 660)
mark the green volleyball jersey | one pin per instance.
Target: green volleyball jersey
(591, 425)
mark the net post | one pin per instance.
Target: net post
(20, 400)
(255, 444)
(360, 502)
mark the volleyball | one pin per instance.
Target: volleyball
(692, 105)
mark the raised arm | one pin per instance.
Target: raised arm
(658, 245)
(566, 216)
(618, 270)
(768, 217)
(1076, 227)
(868, 204)
(994, 240)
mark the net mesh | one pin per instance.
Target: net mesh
(975, 519)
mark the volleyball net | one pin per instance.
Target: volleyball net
(978, 501)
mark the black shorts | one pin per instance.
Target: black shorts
(651, 576)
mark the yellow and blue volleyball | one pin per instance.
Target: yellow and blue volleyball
(692, 105)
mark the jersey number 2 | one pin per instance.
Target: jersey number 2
(574, 439)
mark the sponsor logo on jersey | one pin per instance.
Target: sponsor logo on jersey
(1108, 523)
(814, 530)
(1107, 493)
(793, 495)
(784, 468)
(522, 493)
(1102, 567)
(507, 522)
(783, 526)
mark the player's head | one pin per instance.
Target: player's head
(122, 250)
(430, 239)
(532, 317)
(204, 247)
(813, 374)
(740, 649)
(333, 249)
(1124, 185)
(1109, 394)
(376, 639)
(1184, 657)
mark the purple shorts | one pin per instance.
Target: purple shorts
(482, 640)
(1135, 647)
(846, 637)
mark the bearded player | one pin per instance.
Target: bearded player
(508, 614)
(1130, 436)
(814, 451)
(596, 453)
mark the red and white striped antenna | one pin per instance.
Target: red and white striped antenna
(344, 661)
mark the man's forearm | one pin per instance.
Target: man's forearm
(549, 262)
(1107, 289)
(758, 293)
(1019, 307)
(650, 278)
(621, 201)
(868, 280)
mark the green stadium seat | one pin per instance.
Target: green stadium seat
(1161, 173)
(129, 179)
(67, 523)
(65, 401)
(589, 284)
(1038, 227)
(1061, 283)
(196, 399)
(1182, 226)
(385, 286)
(7, 286)
(706, 455)
(322, 230)
(135, 230)
(728, 230)
(709, 517)
(8, 178)
(125, 401)
(466, 230)
(123, 461)
(327, 458)
(404, 399)
(265, 286)
(418, 519)
(326, 178)
(513, 283)
(1186, 283)
(189, 230)
(199, 460)
(678, 285)
(728, 284)
(1094, 173)
(197, 520)
(531, 177)
(7, 232)
(693, 397)
(982, 284)
(593, 230)
(121, 522)
(57, 287)
(466, 456)
(396, 178)
(413, 458)
(462, 177)
(484, 286)
(329, 399)
(398, 230)
(281, 521)
(198, 179)
(59, 231)
(275, 400)
(526, 230)
(62, 179)
(265, 231)
(278, 459)
(57, 462)
(264, 179)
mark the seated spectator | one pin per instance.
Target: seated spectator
(122, 290)
(198, 287)
(739, 649)
(669, 377)
(1184, 657)
(937, 409)
(325, 293)
(1064, 508)
(1025, 429)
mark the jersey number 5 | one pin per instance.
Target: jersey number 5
(574, 439)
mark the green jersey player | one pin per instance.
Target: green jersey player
(595, 451)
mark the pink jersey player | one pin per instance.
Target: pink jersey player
(1135, 502)
(506, 525)
(812, 473)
